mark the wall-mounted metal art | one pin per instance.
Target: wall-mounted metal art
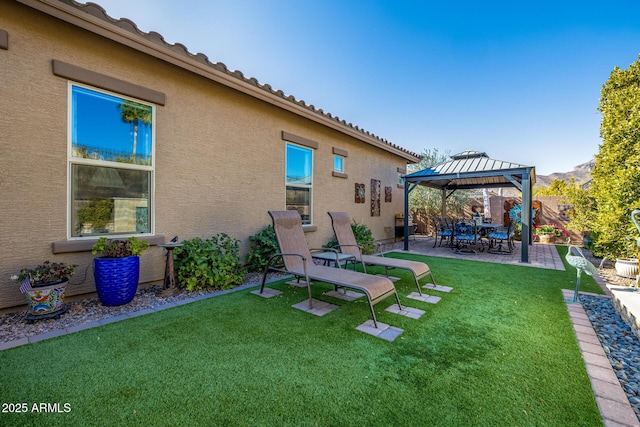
(375, 197)
(388, 191)
(360, 194)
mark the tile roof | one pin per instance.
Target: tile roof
(97, 11)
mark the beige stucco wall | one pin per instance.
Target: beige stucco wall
(219, 153)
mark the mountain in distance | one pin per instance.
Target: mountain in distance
(581, 174)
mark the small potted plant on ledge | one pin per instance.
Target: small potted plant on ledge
(117, 270)
(44, 287)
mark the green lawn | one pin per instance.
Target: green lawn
(499, 350)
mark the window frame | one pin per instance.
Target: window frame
(71, 161)
(295, 185)
(337, 157)
(401, 173)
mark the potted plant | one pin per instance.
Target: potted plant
(44, 287)
(626, 259)
(547, 233)
(117, 270)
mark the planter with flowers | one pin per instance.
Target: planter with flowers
(117, 270)
(548, 233)
(44, 287)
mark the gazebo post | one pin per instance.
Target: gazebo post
(444, 202)
(526, 217)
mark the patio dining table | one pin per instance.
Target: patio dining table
(484, 226)
(477, 238)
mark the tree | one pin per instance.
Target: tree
(135, 113)
(426, 203)
(615, 187)
(582, 209)
(557, 188)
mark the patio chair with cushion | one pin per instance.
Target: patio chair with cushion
(296, 257)
(501, 236)
(465, 234)
(347, 244)
(443, 230)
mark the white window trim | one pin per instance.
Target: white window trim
(310, 186)
(75, 160)
(342, 158)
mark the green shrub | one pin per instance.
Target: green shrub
(263, 246)
(211, 263)
(119, 248)
(363, 236)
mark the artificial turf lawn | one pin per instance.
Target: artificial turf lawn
(498, 350)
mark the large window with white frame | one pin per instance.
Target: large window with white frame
(299, 181)
(111, 165)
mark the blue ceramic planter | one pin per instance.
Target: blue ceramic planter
(116, 279)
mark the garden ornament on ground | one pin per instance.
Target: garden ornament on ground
(581, 264)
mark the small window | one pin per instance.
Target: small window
(299, 181)
(401, 173)
(338, 164)
(110, 164)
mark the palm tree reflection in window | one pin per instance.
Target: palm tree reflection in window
(135, 113)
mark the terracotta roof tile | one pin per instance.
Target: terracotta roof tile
(128, 25)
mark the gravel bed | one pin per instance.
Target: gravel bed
(619, 343)
(15, 326)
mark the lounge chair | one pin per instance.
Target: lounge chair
(347, 243)
(296, 257)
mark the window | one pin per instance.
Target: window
(338, 164)
(299, 180)
(111, 166)
(339, 160)
(401, 174)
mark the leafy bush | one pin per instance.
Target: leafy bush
(119, 248)
(97, 213)
(263, 246)
(211, 263)
(363, 236)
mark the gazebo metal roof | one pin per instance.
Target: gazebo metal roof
(472, 169)
(475, 169)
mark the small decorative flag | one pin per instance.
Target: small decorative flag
(26, 285)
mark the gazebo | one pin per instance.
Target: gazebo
(474, 169)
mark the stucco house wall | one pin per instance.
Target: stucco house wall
(219, 152)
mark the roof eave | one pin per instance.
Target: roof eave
(199, 64)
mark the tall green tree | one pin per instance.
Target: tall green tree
(426, 203)
(616, 176)
(557, 188)
(582, 211)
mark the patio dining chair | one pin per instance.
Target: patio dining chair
(347, 244)
(443, 230)
(464, 235)
(501, 236)
(296, 256)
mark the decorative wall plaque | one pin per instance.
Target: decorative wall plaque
(375, 197)
(360, 195)
(388, 191)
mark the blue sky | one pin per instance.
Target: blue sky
(518, 80)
